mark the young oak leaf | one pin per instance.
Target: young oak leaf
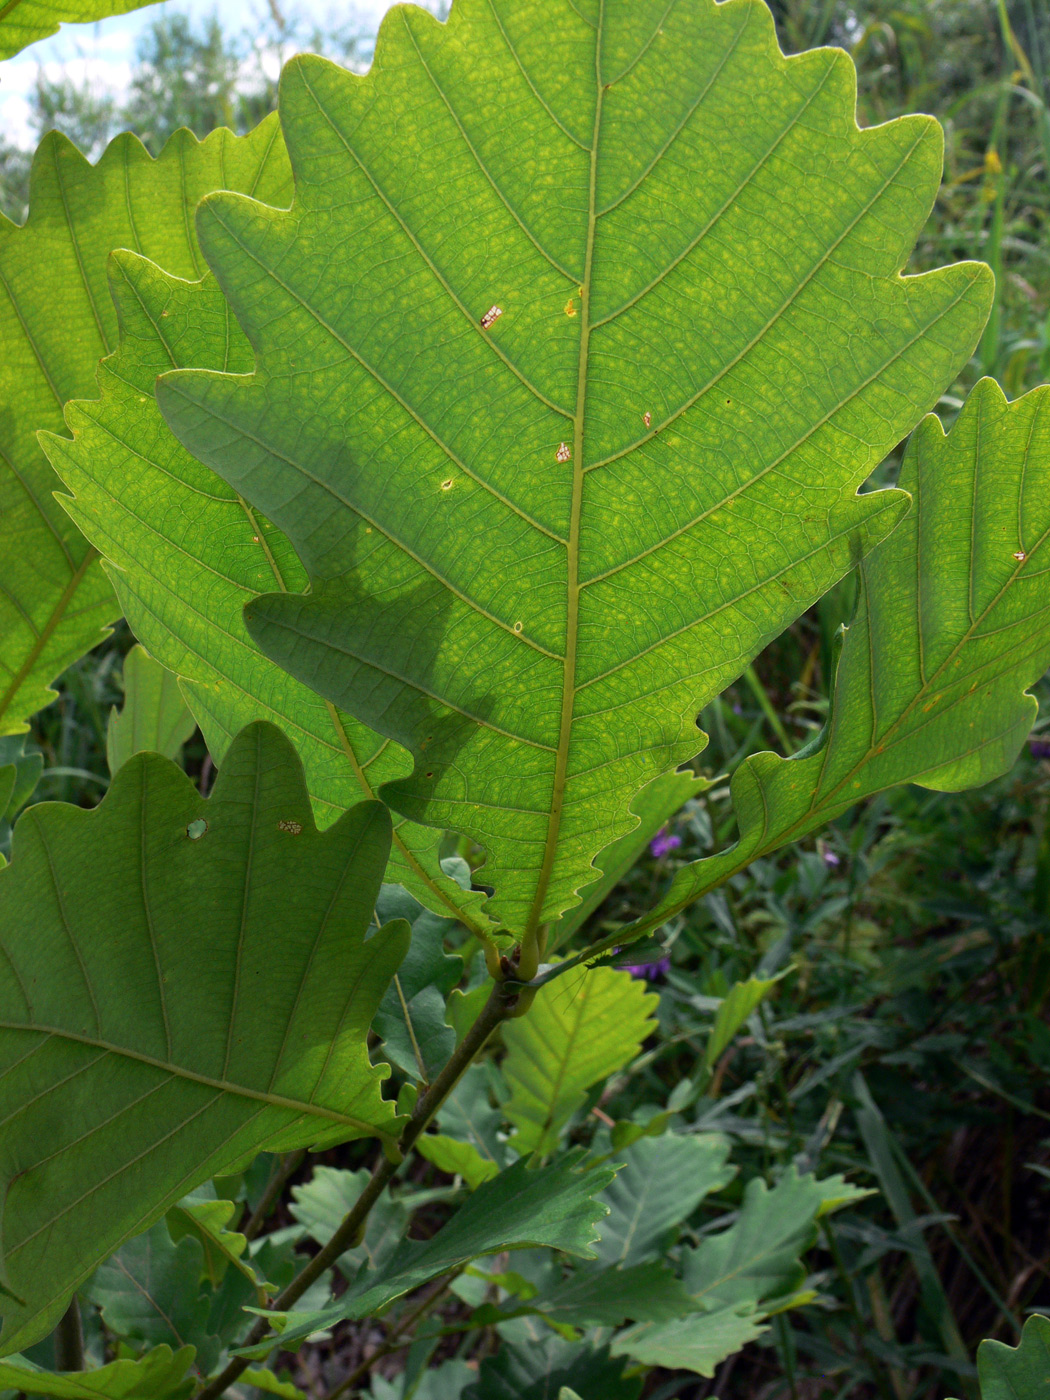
(579, 1030)
(56, 319)
(185, 554)
(949, 632)
(538, 547)
(183, 984)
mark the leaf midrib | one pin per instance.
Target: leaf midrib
(222, 1086)
(572, 549)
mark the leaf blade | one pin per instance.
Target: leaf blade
(536, 697)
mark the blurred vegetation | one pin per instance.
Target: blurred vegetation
(908, 1044)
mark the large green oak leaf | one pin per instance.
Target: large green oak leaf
(23, 22)
(185, 554)
(56, 319)
(183, 984)
(950, 630)
(584, 328)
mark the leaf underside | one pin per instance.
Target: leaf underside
(185, 554)
(183, 984)
(950, 631)
(56, 319)
(23, 22)
(540, 540)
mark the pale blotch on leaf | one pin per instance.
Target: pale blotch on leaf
(491, 316)
(196, 829)
(564, 452)
(294, 827)
(1020, 555)
(570, 307)
(647, 418)
(517, 627)
(447, 485)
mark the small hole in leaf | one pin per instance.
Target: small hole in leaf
(517, 627)
(430, 775)
(647, 418)
(447, 485)
(196, 829)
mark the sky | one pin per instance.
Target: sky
(105, 52)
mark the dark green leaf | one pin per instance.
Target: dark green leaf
(159, 1375)
(554, 1207)
(184, 983)
(660, 1184)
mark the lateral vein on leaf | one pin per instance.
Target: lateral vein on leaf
(645, 47)
(436, 272)
(658, 157)
(476, 926)
(777, 461)
(222, 1086)
(386, 387)
(416, 558)
(730, 201)
(570, 276)
(148, 912)
(125, 1167)
(824, 547)
(420, 689)
(759, 335)
(61, 904)
(532, 86)
(50, 1087)
(305, 973)
(75, 244)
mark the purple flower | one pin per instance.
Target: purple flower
(1039, 747)
(663, 842)
(830, 858)
(650, 971)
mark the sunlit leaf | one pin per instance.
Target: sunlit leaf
(949, 634)
(584, 328)
(23, 22)
(56, 319)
